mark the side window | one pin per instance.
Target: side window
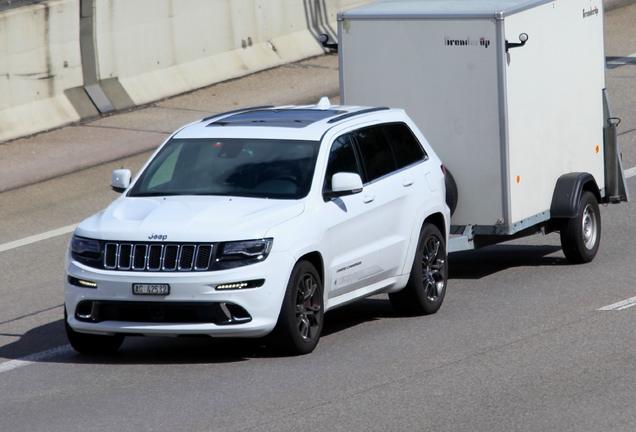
(406, 148)
(342, 158)
(376, 152)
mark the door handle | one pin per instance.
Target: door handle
(368, 198)
(407, 182)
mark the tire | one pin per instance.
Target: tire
(425, 290)
(300, 322)
(581, 235)
(452, 192)
(92, 344)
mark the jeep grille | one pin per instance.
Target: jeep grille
(158, 257)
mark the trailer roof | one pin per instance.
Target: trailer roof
(418, 9)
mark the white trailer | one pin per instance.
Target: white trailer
(511, 94)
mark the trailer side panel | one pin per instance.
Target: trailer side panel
(444, 73)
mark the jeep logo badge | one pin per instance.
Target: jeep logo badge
(154, 236)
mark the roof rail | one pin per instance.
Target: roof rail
(355, 113)
(237, 111)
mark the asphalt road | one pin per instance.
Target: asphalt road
(519, 345)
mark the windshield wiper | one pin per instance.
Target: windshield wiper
(154, 194)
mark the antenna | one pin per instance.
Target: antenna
(323, 103)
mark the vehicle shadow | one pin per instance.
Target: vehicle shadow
(38, 339)
(477, 264)
(205, 350)
(183, 350)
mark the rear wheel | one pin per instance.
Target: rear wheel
(92, 344)
(301, 317)
(581, 235)
(425, 290)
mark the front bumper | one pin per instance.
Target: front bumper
(193, 307)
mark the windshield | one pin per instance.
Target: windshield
(259, 168)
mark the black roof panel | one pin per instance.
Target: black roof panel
(290, 118)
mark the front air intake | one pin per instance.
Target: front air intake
(219, 313)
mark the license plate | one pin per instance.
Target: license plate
(151, 289)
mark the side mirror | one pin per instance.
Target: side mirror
(120, 180)
(344, 183)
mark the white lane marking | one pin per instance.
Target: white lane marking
(621, 61)
(630, 172)
(620, 305)
(34, 358)
(36, 238)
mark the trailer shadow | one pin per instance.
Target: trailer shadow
(318, 21)
(476, 264)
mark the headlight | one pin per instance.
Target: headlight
(83, 248)
(235, 254)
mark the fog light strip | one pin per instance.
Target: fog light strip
(256, 283)
(232, 286)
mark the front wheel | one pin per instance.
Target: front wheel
(425, 290)
(301, 317)
(92, 344)
(581, 235)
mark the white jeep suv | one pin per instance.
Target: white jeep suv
(257, 222)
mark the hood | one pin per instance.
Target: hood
(188, 219)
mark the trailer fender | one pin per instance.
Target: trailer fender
(567, 193)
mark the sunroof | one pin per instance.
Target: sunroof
(290, 118)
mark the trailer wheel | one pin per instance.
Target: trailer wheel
(452, 193)
(425, 290)
(581, 235)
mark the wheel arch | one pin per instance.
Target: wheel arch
(437, 219)
(567, 194)
(315, 258)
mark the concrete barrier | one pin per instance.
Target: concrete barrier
(63, 60)
(158, 48)
(39, 59)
